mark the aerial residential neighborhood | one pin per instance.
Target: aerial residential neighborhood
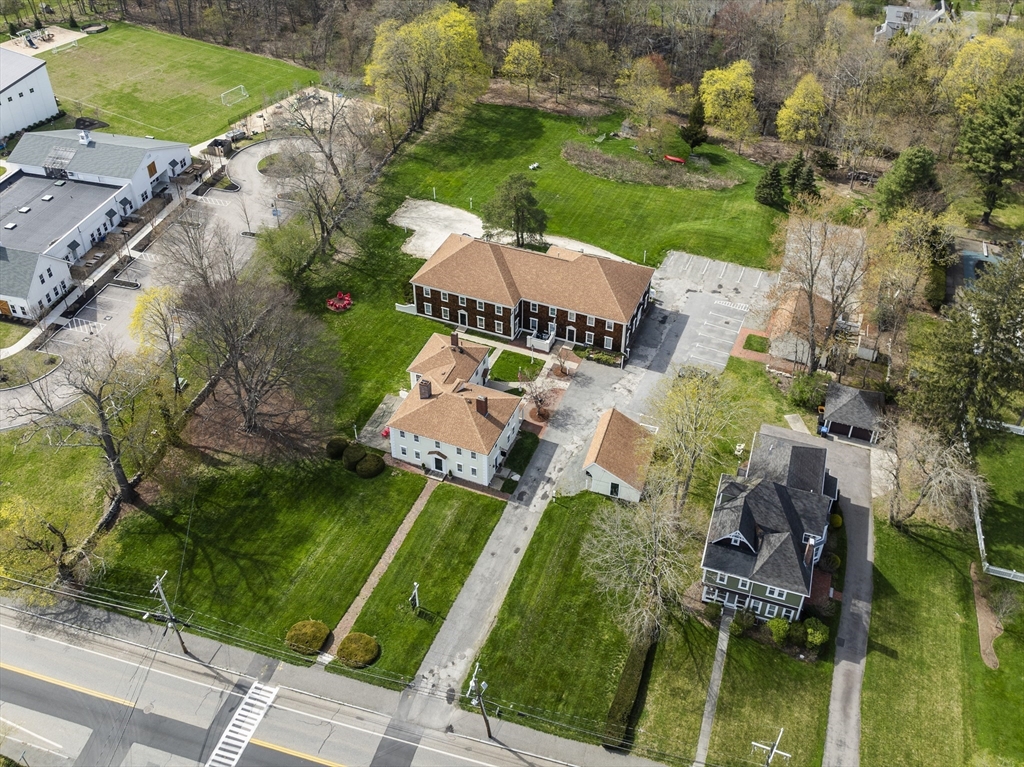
(504, 382)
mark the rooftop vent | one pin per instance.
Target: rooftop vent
(62, 182)
(26, 209)
(10, 226)
(84, 138)
(47, 197)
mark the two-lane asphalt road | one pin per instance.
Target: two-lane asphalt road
(81, 699)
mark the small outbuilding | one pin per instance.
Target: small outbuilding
(853, 412)
(616, 462)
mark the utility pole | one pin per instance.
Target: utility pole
(172, 622)
(772, 750)
(476, 692)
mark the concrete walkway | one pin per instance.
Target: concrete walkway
(796, 423)
(711, 703)
(349, 618)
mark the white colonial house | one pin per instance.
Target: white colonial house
(26, 98)
(67, 191)
(450, 422)
(616, 462)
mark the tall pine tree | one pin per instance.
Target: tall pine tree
(694, 133)
(805, 183)
(769, 190)
(796, 167)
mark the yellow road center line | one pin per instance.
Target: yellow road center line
(298, 754)
(68, 685)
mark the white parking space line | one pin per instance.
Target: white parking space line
(689, 264)
(704, 359)
(726, 316)
(721, 274)
(8, 722)
(707, 263)
(743, 271)
(759, 276)
(712, 349)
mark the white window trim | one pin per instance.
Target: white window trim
(590, 320)
(416, 453)
(608, 342)
(721, 578)
(462, 300)
(444, 295)
(479, 305)
(428, 310)
(589, 338)
(552, 311)
(788, 613)
(499, 328)
(533, 323)
(445, 314)
(775, 593)
(499, 310)
(533, 306)
(744, 584)
(771, 610)
(481, 323)
(404, 450)
(572, 316)
(609, 325)
(415, 437)
(426, 292)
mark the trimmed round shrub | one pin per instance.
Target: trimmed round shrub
(358, 650)
(712, 611)
(353, 454)
(742, 621)
(817, 633)
(307, 637)
(779, 629)
(797, 633)
(336, 447)
(832, 562)
(836, 521)
(370, 466)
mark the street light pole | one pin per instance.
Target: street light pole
(476, 691)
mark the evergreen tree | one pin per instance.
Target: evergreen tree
(796, 167)
(769, 189)
(514, 210)
(694, 133)
(805, 184)
(912, 174)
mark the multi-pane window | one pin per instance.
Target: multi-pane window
(533, 306)
(499, 310)
(458, 451)
(533, 323)
(609, 325)
(770, 610)
(479, 306)
(417, 454)
(49, 272)
(428, 309)
(775, 593)
(589, 338)
(607, 342)
(572, 316)
(472, 470)
(462, 300)
(552, 311)
(721, 577)
(444, 296)
(444, 313)
(426, 292)
(744, 584)
(458, 467)
(590, 320)
(405, 451)
(481, 322)
(437, 444)
(499, 327)
(415, 437)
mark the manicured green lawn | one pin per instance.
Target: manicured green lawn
(627, 219)
(762, 690)
(510, 364)
(265, 547)
(62, 486)
(148, 83)
(756, 344)
(522, 451)
(1002, 463)
(555, 651)
(11, 332)
(927, 696)
(26, 366)
(439, 554)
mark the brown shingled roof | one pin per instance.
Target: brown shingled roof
(622, 447)
(501, 274)
(450, 414)
(439, 360)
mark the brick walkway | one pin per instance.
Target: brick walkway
(747, 354)
(349, 618)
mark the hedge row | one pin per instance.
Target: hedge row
(354, 457)
(617, 724)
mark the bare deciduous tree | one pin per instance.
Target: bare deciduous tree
(94, 399)
(693, 411)
(824, 265)
(927, 473)
(536, 392)
(643, 556)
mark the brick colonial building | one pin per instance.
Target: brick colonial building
(505, 291)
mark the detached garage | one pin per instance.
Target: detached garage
(853, 413)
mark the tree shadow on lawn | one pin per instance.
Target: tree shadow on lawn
(488, 133)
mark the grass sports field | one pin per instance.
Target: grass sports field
(149, 83)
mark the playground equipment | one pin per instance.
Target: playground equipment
(340, 302)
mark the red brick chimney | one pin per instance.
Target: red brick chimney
(455, 339)
(425, 388)
(481, 405)
(809, 554)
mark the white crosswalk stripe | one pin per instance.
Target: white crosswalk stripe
(243, 724)
(741, 307)
(210, 201)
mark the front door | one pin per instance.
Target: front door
(552, 330)
(438, 463)
(570, 334)
(463, 319)
(730, 599)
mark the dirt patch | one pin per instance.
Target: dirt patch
(989, 626)
(584, 104)
(625, 170)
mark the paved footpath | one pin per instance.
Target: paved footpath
(711, 703)
(349, 618)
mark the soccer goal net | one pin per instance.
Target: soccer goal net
(65, 47)
(233, 96)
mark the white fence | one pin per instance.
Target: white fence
(999, 572)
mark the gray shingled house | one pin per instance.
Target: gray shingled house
(768, 529)
(853, 412)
